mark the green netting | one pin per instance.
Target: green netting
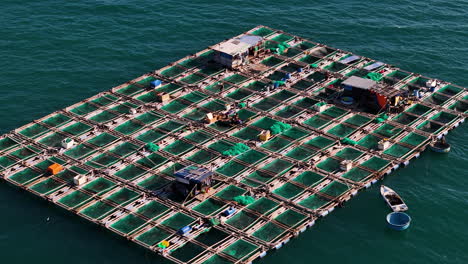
(25, 153)
(256, 86)
(302, 85)
(349, 154)
(102, 140)
(459, 106)
(105, 100)
(152, 161)
(247, 133)
(414, 139)
(68, 174)
(399, 75)
(153, 209)
(259, 176)
(289, 111)
(309, 178)
(334, 112)
(301, 153)
(314, 202)
(444, 117)
(84, 109)
(288, 190)
(320, 142)
(187, 252)
(128, 224)
(199, 137)
(430, 127)
(7, 143)
(309, 59)
(221, 146)
(151, 136)
(356, 174)
(437, 99)
(397, 151)
(263, 205)
(202, 157)
(130, 89)
(271, 61)
(283, 38)
(267, 104)
(130, 172)
(375, 76)
(149, 117)
(291, 218)
(34, 131)
(179, 147)
(152, 147)
(235, 78)
(369, 142)
(419, 109)
(171, 126)
(153, 236)
(98, 210)
(103, 117)
(172, 71)
(47, 186)
(80, 151)
(103, 160)
(230, 192)
(123, 196)
(154, 183)
(240, 94)
(75, 199)
(268, 232)
(129, 127)
(279, 127)
(278, 166)
(209, 206)
(240, 249)
(244, 199)
(193, 78)
(242, 220)
(388, 131)
(357, 120)
(262, 32)
(237, 149)
(56, 120)
(6, 162)
(77, 129)
(124, 149)
(330, 165)
(99, 186)
(341, 130)
(375, 163)
(335, 189)
(277, 144)
(252, 156)
(178, 221)
(348, 141)
(317, 121)
(405, 119)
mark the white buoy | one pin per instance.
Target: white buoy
(68, 143)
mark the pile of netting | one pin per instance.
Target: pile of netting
(152, 147)
(279, 127)
(375, 76)
(348, 141)
(235, 150)
(244, 199)
(382, 117)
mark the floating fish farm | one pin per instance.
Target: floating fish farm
(232, 152)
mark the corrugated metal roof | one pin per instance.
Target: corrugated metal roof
(359, 82)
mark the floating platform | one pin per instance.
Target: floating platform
(329, 152)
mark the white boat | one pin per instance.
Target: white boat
(393, 199)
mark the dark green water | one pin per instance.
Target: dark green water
(55, 53)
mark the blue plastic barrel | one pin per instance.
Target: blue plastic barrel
(287, 76)
(184, 230)
(155, 83)
(398, 220)
(416, 93)
(299, 70)
(229, 211)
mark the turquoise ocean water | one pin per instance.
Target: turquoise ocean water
(54, 53)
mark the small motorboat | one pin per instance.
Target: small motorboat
(393, 199)
(398, 220)
(440, 146)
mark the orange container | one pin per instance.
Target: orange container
(54, 168)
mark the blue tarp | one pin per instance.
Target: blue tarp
(350, 59)
(374, 66)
